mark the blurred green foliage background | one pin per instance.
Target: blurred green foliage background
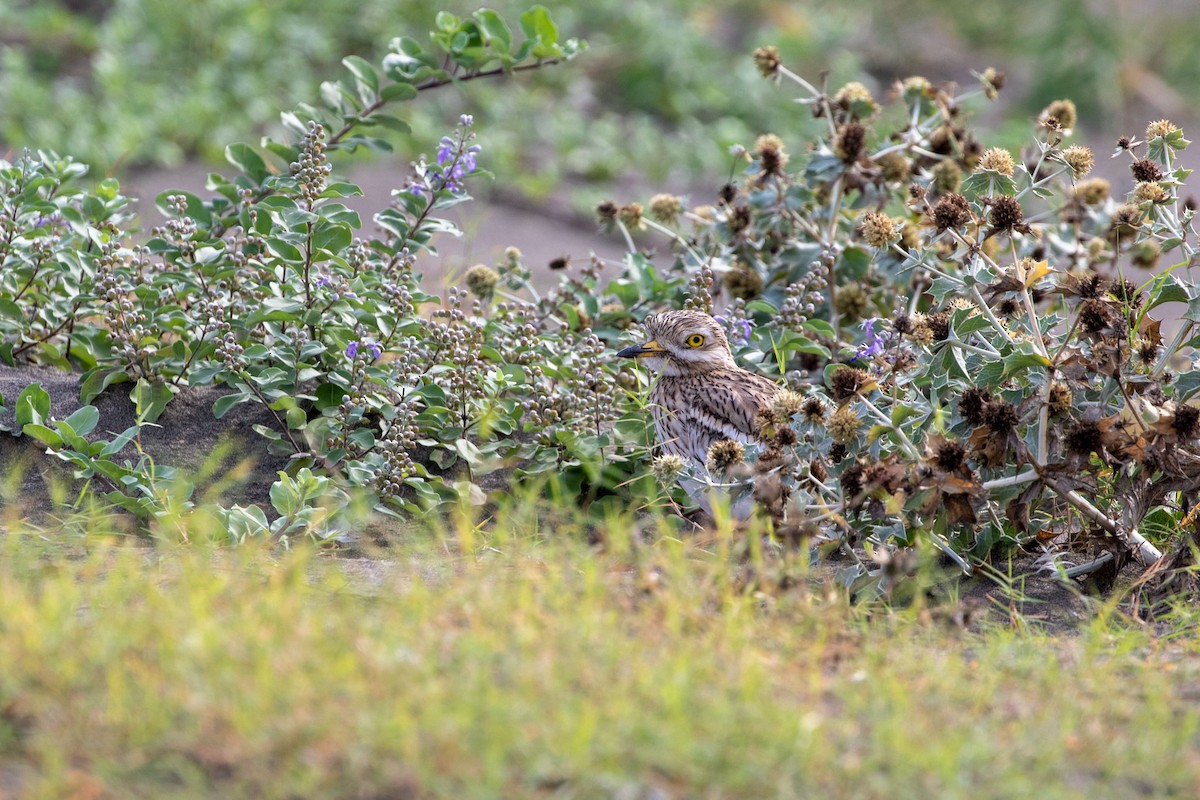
(666, 88)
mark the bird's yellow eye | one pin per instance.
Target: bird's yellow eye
(695, 340)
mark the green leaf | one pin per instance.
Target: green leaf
(9, 309)
(762, 306)
(150, 399)
(108, 189)
(966, 323)
(943, 286)
(84, 420)
(1160, 148)
(33, 405)
(284, 497)
(821, 328)
(362, 438)
(469, 453)
(987, 183)
(340, 189)
(1167, 289)
(225, 402)
(408, 61)
(902, 412)
(267, 433)
(398, 92)
(1019, 362)
(495, 30)
(390, 122)
(363, 72)
(990, 374)
(70, 438)
(443, 458)
(538, 26)
(876, 431)
(432, 394)
(118, 444)
(247, 159)
(460, 42)
(948, 363)
(802, 344)
(854, 263)
(329, 395)
(295, 418)
(1187, 384)
(332, 238)
(374, 143)
(284, 250)
(47, 436)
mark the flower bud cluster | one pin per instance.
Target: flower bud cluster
(457, 341)
(591, 385)
(700, 290)
(126, 318)
(802, 299)
(396, 447)
(311, 169)
(519, 342)
(180, 230)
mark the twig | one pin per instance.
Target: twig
(950, 553)
(1091, 566)
(1027, 476)
(1146, 552)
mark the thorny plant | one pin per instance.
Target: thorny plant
(971, 339)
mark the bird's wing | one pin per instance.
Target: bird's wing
(727, 408)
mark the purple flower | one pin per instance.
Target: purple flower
(742, 328)
(873, 345)
(454, 162)
(466, 120)
(324, 281)
(739, 330)
(468, 158)
(445, 151)
(355, 347)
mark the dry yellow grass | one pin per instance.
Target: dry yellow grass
(539, 667)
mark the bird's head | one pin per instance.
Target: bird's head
(682, 343)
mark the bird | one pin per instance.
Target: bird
(700, 395)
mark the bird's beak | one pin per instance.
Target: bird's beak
(650, 348)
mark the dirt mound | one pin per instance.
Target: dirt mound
(186, 436)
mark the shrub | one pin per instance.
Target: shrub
(265, 288)
(983, 323)
(975, 361)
